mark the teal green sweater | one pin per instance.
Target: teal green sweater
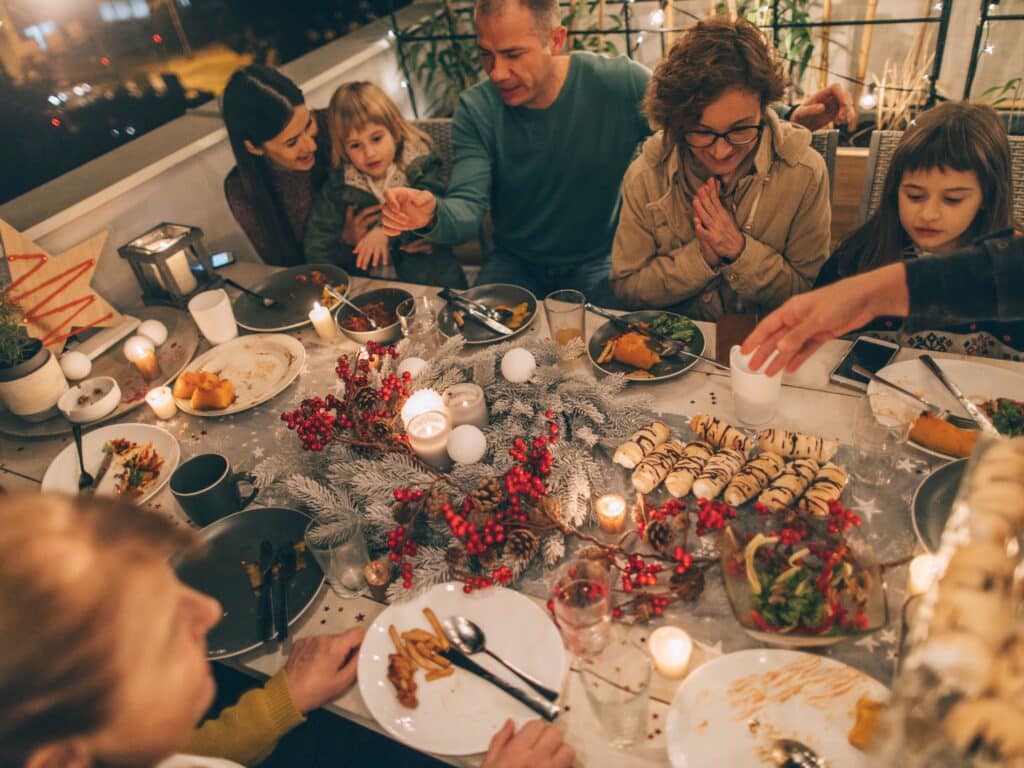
(550, 177)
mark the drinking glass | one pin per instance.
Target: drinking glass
(213, 314)
(616, 682)
(582, 602)
(754, 395)
(878, 442)
(418, 318)
(564, 310)
(339, 549)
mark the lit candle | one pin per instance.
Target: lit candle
(161, 401)
(611, 512)
(140, 352)
(428, 437)
(181, 272)
(323, 322)
(466, 405)
(924, 569)
(670, 648)
(421, 401)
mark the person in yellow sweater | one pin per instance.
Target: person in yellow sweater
(103, 653)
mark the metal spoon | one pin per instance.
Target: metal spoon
(469, 638)
(343, 300)
(267, 301)
(84, 478)
(790, 753)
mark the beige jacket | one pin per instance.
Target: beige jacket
(782, 207)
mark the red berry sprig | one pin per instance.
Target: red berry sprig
(712, 515)
(840, 518)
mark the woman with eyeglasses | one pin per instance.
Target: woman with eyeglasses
(726, 209)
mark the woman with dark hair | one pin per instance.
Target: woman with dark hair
(726, 209)
(281, 165)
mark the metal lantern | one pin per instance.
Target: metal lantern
(171, 264)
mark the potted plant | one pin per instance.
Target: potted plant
(31, 381)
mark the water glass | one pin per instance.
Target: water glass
(339, 549)
(616, 682)
(565, 313)
(878, 442)
(213, 314)
(418, 318)
(755, 395)
(582, 602)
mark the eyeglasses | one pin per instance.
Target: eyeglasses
(744, 134)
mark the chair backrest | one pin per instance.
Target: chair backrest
(826, 143)
(883, 144)
(440, 132)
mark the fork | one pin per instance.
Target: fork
(957, 421)
(500, 314)
(84, 478)
(265, 300)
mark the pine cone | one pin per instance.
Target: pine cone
(456, 558)
(552, 509)
(489, 492)
(488, 559)
(689, 585)
(522, 545)
(660, 535)
(642, 609)
(365, 399)
(402, 512)
(435, 502)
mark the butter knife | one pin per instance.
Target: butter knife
(473, 311)
(544, 708)
(975, 412)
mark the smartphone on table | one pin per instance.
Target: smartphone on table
(873, 354)
(217, 260)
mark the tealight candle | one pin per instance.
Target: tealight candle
(161, 400)
(428, 437)
(671, 648)
(140, 353)
(421, 401)
(466, 405)
(323, 322)
(924, 569)
(611, 513)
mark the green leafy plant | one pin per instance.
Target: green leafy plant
(1001, 94)
(444, 65)
(594, 36)
(13, 338)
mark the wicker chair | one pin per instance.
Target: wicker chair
(440, 132)
(826, 143)
(883, 144)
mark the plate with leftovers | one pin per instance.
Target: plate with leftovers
(997, 391)
(128, 461)
(639, 357)
(732, 710)
(294, 291)
(455, 713)
(239, 374)
(516, 305)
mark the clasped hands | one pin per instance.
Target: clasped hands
(719, 236)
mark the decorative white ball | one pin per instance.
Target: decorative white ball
(412, 365)
(153, 330)
(75, 365)
(466, 444)
(518, 365)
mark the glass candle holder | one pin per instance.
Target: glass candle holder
(161, 400)
(466, 404)
(611, 513)
(671, 648)
(428, 437)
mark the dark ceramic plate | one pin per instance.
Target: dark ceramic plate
(216, 570)
(492, 295)
(666, 369)
(933, 501)
(294, 297)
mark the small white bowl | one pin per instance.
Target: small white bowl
(90, 400)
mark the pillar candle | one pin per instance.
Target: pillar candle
(611, 512)
(428, 437)
(323, 321)
(140, 353)
(161, 400)
(670, 648)
(466, 405)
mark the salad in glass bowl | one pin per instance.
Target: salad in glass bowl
(798, 581)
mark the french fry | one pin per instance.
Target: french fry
(419, 658)
(606, 352)
(399, 648)
(437, 674)
(438, 630)
(438, 659)
(419, 636)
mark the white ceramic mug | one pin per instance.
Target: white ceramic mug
(755, 396)
(213, 314)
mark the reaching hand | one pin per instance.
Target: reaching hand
(715, 226)
(407, 209)
(320, 669)
(808, 320)
(372, 250)
(537, 745)
(358, 223)
(831, 105)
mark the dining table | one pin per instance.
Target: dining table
(809, 403)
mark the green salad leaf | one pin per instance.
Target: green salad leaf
(674, 327)
(1008, 417)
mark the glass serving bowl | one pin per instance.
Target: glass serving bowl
(791, 611)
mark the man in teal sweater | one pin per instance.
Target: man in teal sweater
(543, 144)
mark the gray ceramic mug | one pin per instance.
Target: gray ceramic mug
(207, 489)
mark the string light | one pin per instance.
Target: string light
(640, 38)
(938, 7)
(391, 34)
(657, 18)
(868, 99)
(405, 83)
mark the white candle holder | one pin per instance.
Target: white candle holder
(161, 400)
(670, 648)
(611, 513)
(466, 404)
(428, 437)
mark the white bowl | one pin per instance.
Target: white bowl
(90, 400)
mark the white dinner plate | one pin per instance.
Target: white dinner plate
(259, 366)
(730, 710)
(62, 474)
(458, 715)
(977, 380)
